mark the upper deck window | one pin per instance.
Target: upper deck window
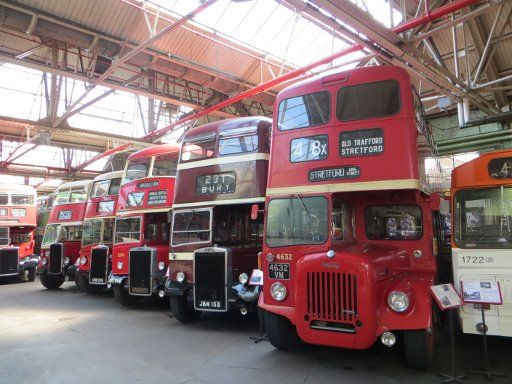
(100, 188)
(77, 197)
(66, 197)
(4, 199)
(114, 186)
(22, 200)
(483, 218)
(238, 140)
(199, 147)
(393, 222)
(304, 111)
(369, 100)
(164, 166)
(297, 221)
(137, 169)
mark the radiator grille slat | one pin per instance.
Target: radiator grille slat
(332, 296)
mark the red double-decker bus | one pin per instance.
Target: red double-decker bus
(216, 230)
(95, 254)
(62, 240)
(140, 253)
(17, 229)
(351, 230)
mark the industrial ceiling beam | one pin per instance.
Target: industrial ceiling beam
(99, 156)
(116, 63)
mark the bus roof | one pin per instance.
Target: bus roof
(73, 184)
(475, 173)
(224, 125)
(109, 175)
(17, 188)
(160, 149)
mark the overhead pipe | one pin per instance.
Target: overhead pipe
(464, 139)
(473, 144)
(100, 156)
(499, 117)
(415, 22)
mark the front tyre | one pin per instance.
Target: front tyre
(122, 296)
(182, 310)
(31, 276)
(281, 333)
(51, 282)
(419, 348)
(83, 283)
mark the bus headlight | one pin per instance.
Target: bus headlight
(161, 266)
(83, 260)
(44, 261)
(398, 301)
(67, 260)
(243, 278)
(180, 276)
(278, 291)
(120, 265)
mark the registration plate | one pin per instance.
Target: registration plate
(279, 271)
(210, 304)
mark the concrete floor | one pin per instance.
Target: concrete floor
(65, 336)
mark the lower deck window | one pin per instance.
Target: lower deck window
(393, 222)
(191, 227)
(127, 230)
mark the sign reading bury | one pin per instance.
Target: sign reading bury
(501, 168)
(216, 184)
(364, 142)
(348, 172)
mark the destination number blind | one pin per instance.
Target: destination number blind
(365, 142)
(216, 184)
(501, 168)
(309, 148)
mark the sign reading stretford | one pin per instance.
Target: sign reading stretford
(364, 142)
(348, 172)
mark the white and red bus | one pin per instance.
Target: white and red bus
(481, 196)
(17, 230)
(351, 229)
(217, 230)
(140, 254)
(60, 249)
(98, 228)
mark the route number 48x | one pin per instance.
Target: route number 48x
(316, 149)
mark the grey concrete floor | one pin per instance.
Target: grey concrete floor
(65, 336)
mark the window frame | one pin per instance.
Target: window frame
(174, 212)
(329, 114)
(114, 235)
(394, 205)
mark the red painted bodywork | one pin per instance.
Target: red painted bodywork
(19, 226)
(380, 266)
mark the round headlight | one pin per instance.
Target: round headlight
(47, 253)
(278, 291)
(243, 278)
(161, 266)
(398, 301)
(120, 265)
(66, 260)
(44, 260)
(27, 259)
(180, 276)
(83, 260)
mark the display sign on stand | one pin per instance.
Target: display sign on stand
(483, 293)
(447, 298)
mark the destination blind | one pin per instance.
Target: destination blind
(365, 142)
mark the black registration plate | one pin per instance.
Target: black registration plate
(279, 271)
(210, 304)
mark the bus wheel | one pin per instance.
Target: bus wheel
(51, 282)
(182, 310)
(281, 333)
(123, 297)
(86, 287)
(419, 348)
(31, 276)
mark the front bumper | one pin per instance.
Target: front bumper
(28, 262)
(159, 282)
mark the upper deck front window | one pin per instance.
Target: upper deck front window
(297, 221)
(240, 140)
(304, 111)
(483, 218)
(4, 199)
(369, 100)
(114, 186)
(66, 197)
(198, 148)
(100, 188)
(393, 222)
(137, 169)
(22, 200)
(164, 166)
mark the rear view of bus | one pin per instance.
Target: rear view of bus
(482, 235)
(95, 254)
(17, 227)
(62, 239)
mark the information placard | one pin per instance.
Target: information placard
(481, 291)
(348, 172)
(157, 197)
(364, 142)
(446, 296)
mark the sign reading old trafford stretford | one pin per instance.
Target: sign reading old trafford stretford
(364, 142)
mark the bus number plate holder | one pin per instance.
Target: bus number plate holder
(279, 271)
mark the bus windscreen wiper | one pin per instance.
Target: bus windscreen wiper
(305, 208)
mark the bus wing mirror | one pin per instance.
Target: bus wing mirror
(435, 202)
(255, 210)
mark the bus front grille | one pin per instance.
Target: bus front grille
(99, 266)
(56, 258)
(210, 273)
(9, 261)
(140, 275)
(332, 296)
